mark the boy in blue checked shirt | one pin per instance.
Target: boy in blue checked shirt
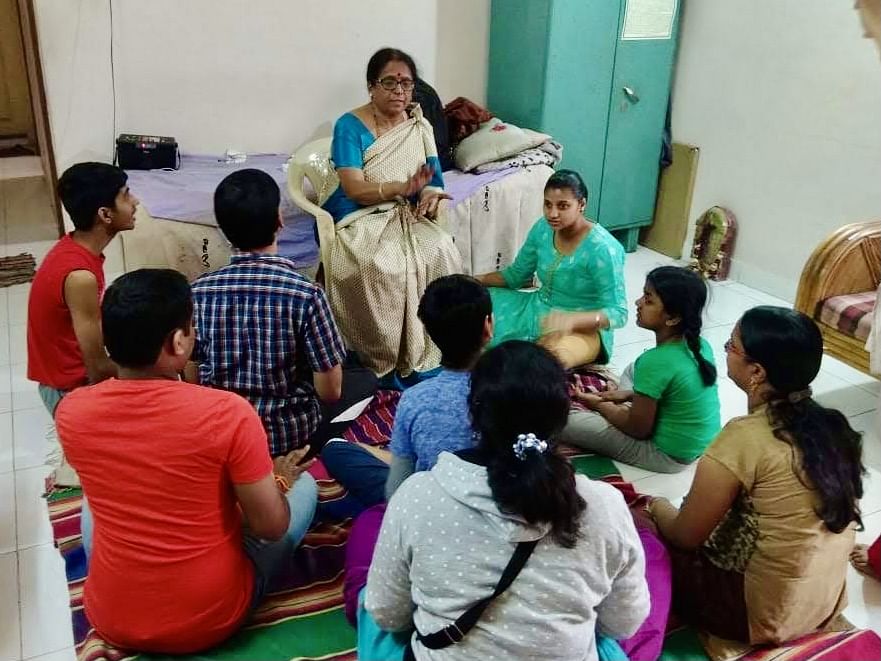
(265, 331)
(432, 416)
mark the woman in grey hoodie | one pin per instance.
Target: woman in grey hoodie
(450, 532)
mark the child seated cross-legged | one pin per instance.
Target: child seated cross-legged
(666, 410)
(510, 507)
(65, 347)
(187, 521)
(432, 416)
(266, 332)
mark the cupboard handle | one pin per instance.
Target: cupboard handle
(631, 94)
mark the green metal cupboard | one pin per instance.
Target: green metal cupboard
(596, 75)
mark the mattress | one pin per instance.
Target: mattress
(488, 216)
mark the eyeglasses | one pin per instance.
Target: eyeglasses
(391, 84)
(730, 348)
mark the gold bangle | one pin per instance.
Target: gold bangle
(381, 196)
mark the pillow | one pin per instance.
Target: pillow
(494, 140)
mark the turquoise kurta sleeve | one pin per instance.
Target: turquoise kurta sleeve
(614, 296)
(520, 273)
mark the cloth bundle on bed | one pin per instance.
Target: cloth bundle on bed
(497, 145)
(305, 620)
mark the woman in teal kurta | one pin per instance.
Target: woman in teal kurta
(580, 267)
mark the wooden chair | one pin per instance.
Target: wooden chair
(847, 262)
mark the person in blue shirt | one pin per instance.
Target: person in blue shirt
(432, 416)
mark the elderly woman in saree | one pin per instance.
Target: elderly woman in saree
(388, 245)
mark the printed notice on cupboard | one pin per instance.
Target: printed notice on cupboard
(649, 19)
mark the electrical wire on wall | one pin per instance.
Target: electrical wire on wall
(112, 81)
(113, 93)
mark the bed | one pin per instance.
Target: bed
(488, 216)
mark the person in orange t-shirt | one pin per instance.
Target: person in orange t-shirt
(186, 518)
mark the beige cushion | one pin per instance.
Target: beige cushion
(495, 139)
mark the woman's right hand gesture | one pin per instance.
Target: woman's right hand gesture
(418, 180)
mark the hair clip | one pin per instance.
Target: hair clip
(526, 442)
(799, 395)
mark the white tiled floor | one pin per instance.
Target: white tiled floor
(34, 612)
(34, 617)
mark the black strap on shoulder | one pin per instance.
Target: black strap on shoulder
(456, 631)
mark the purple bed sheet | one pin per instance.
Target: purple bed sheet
(187, 195)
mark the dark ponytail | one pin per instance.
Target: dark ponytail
(520, 388)
(684, 294)
(568, 180)
(788, 345)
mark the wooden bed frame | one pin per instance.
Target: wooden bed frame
(847, 262)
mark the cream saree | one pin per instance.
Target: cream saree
(383, 258)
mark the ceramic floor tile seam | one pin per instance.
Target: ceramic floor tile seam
(626, 344)
(18, 596)
(44, 608)
(872, 509)
(860, 411)
(870, 388)
(38, 657)
(716, 324)
(44, 513)
(17, 556)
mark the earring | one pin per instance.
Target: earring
(753, 386)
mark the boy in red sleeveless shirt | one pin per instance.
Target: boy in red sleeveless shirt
(65, 344)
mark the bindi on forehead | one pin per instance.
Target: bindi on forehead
(396, 70)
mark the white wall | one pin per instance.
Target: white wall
(74, 42)
(462, 49)
(784, 100)
(255, 76)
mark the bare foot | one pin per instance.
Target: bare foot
(859, 558)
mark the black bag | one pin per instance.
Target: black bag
(433, 111)
(455, 632)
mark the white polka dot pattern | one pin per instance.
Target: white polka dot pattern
(551, 610)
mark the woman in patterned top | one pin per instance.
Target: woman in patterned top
(761, 544)
(581, 270)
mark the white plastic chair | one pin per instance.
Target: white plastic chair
(312, 161)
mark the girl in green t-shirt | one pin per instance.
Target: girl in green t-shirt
(666, 411)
